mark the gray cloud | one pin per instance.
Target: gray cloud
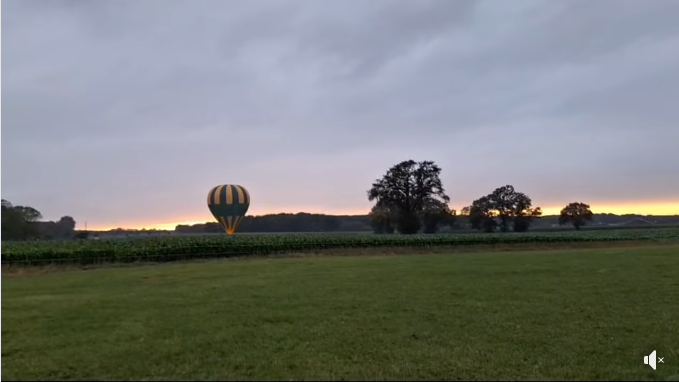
(123, 111)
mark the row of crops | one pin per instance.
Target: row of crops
(179, 247)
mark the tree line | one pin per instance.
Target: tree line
(410, 198)
(23, 223)
(286, 222)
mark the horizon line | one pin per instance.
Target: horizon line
(171, 226)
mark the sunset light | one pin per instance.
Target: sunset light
(671, 208)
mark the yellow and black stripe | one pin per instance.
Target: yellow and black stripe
(228, 194)
(228, 203)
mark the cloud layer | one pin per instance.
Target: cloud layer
(123, 111)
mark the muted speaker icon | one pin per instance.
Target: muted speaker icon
(652, 360)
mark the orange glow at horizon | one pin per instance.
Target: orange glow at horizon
(207, 218)
(671, 208)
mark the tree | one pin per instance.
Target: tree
(577, 214)
(482, 214)
(524, 218)
(65, 227)
(514, 209)
(23, 223)
(407, 188)
(19, 222)
(29, 214)
(11, 221)
(505, 208)
(408, 222)
(462, 220)
(382, 219)
(435, 215)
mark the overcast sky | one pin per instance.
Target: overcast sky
(120, 112)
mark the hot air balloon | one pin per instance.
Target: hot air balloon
(228, 204)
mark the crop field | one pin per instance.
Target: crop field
(180, 247)
(578, 314)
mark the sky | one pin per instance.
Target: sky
(124, 113)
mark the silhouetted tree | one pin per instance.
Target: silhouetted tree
(462, 220)
(407, 188)
(513, 208)
(505, 208)
(19, 222)
(437, 214)
(482, 214)
(382, 219)
(577, 214)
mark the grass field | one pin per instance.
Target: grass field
(560, 314)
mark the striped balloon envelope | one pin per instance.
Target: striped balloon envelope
(228, 204)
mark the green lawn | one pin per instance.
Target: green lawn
(571, 314)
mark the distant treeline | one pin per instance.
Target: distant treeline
(23, 223)
(286, 222)
(304, 222)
